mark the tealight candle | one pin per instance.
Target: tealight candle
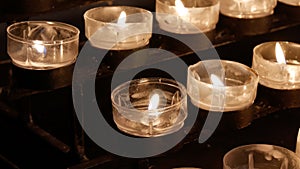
(41, 45)
(118, 27)
(291, 2)
(247, 8)
(220, 85)
(187, 17)
(149, 107)
(254, 156)
(278, 64)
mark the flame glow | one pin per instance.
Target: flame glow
(180, 9)
(216, 80)
(292, 76)
(298, 144)
(279, 54)
(122, 19)
(38, 46)
(154, 102)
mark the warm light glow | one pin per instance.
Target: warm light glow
(298, 144)
(152, 118)
(154, 102)
(181, 10)
(216, 81)
(218, 95)
(292, 76)
(279, 54)
(122, 19)
(38, 46)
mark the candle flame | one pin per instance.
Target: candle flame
(279, 54)
(216, 80)
(38, 45)
(154, 102)
(122, 19)
(152, 118)
(180, 8)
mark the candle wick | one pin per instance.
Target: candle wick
(150, 127)
(118, 40)
(251, 161)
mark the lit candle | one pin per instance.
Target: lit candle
(151, 107)
(123, 29)
(122, 19)
(152, 118)
(42, 45)
(247, 8)
(121, 25)
(280, 57)
(181, 10)
(277, 68)
(187, 17)
(220, 85)
(182, 13)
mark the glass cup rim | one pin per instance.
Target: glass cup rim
(253, 72)
(179, 86)
(44, 42)
(87, 13)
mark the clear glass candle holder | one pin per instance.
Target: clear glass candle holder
(187, 17)
(247, 8)
(291, 2)
(41, 45)
(278, 64)
(149, 107)
(118, 27)
(258, 156)
(220, 85)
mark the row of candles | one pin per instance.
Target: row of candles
(152, 107)
(48, 45)
(175, 16)
(212, 85)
